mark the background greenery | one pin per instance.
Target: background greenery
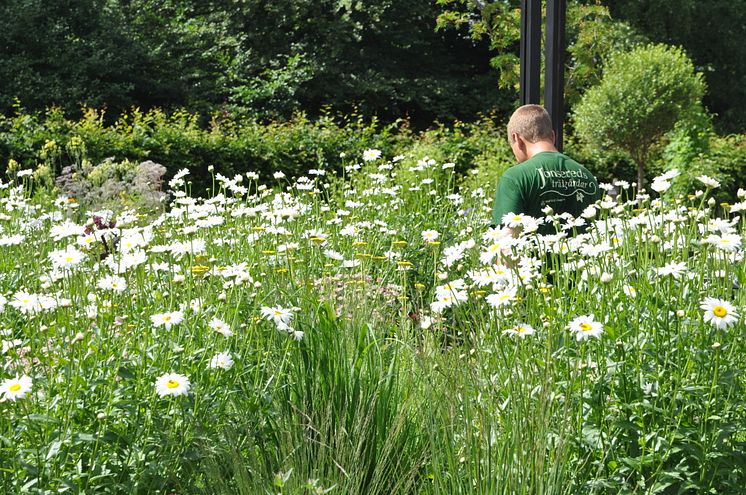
(425, 59)
(289, 85)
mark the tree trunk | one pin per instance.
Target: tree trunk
(640, 176)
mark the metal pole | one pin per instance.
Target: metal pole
(554, 73)
(530, 51)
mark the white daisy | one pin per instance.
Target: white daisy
(502, 298)
(172, 384)
(282, 317)
(660, 185)
(167, 319)
(629, 291)
(726, 242)
(719, 312)
(708, 181)
(430, 235)
(66, 258)
(584, 327)
(513, 220)
(221, 327)
(113, 282)
(26, 302)
(15, 388)
(673, 269)
(521, 330)
(370, 155)
(446, 299)
(222, 360)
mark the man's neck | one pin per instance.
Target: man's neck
(539, 147)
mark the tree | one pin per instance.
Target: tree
(266, 59)
(109, 53)
(59, 52)
(641, 97)
(382, 57)
(712, 33)
(592, 36)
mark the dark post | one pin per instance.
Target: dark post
(530, 51)
(554, 73)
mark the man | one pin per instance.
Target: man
(544, 176)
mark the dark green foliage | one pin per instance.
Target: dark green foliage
(595, 38)
(256, 58)
(720, 157)
(713, 34)
(383, 55)
(54, 52)
(104, 53)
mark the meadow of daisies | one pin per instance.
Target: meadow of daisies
(368, 332)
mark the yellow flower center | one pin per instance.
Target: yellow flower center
(172, 384)
(586, 327)
(520, 329)
(15, 387)
(719, 311)
(166, 318)
(517, 218)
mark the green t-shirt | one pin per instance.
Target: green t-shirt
(548, 178)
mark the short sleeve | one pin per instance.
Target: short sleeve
(507, 199)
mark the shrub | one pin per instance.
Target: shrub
(642, 95)
(178, 140)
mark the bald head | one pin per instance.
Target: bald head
(532, 123)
